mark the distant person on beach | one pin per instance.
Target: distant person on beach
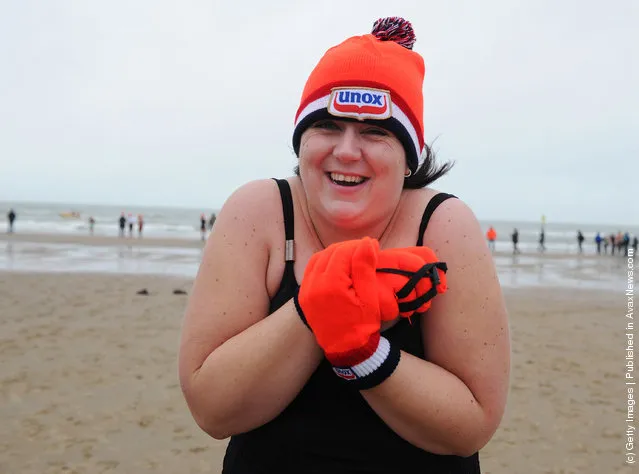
(634, 245)
(626, 243)
(606, 242)
(580, 241)
(491, 236)
(598, 242)
(122, 222)
(91, 224)
(542, 241)
(212, 221)
(203, 226)
(140, 224)
(619, 241)
(296, 346)
(131, 220)
(515, 239)
(612, 244)
(11, 218)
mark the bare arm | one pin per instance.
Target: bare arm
(238, 368)
(453, 402)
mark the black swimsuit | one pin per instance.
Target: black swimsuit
(329, 428)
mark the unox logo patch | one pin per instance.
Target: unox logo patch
(360, 103)
(345, 373)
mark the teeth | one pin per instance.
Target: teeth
(347, 179)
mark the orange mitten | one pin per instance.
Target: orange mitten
(409, 278)
(338, 299)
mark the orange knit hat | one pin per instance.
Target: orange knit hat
(375, 78)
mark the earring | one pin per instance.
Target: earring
(408, 174)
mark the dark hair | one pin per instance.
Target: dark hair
(428, 171)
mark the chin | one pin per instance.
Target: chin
(345, 214)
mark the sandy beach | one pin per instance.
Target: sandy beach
(89, 378)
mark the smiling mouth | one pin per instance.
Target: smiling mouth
(346, 180)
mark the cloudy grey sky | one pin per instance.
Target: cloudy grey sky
(158, 102)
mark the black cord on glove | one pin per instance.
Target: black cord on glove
(430, 271)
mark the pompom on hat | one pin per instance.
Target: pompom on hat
(376, 78)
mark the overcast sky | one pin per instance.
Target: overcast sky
(157, 102)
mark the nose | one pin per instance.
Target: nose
(348, 147)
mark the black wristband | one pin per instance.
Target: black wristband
(354, 376)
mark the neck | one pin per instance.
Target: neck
(328, 233)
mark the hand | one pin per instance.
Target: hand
(338, 297)
(349, 288)
(408, 278)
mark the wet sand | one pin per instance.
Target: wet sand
(181, 257)
(101, 240)
(89, 380)
(145, 241)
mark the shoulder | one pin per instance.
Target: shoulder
(417, 201)
(452, 220)
(253, 203)
(255, 193)
(453, 231)
(455, 235)
(251, 214)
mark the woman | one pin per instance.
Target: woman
(255, 357)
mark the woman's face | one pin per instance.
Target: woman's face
(353, 173)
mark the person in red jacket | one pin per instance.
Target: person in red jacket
(491, 236)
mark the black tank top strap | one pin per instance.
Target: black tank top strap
(433, 204)
(287, 208)
(288, 283)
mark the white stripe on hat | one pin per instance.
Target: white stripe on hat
(398, 114)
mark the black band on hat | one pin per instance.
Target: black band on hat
(391, 124)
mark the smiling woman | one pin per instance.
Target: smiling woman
(349, 318)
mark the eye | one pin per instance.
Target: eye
(376, 131)
(326, 124)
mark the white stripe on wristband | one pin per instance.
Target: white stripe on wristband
(370, 365)
(375, 361)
